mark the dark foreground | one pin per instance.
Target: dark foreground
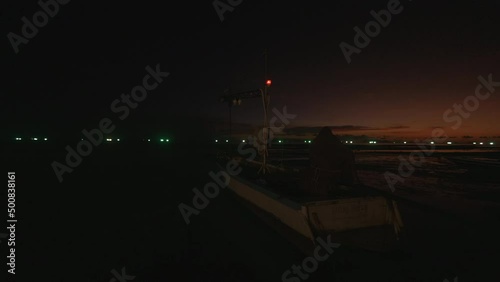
(119, 210)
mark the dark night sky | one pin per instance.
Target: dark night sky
(427, 59)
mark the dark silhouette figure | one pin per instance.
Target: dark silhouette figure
(332, 165)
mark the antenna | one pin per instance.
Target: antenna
(266, 128)
(265, 64)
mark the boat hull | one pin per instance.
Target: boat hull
(371, 222)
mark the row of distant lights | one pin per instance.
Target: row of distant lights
(107, 139)
(305, 141)
(161, 140)
(474, 143)
(33, 138)
(244, 141)
(227, 141)
(481, 143)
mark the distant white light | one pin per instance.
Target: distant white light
(168, 140)
(375, 142)
(404, 142)
(474, 143)
(161, 140)
(109, 139)
(216, 140)
(45, 139)
(279, 141)
(18, 138)
(350, 142)
(36, 139)
(309, 141)
(227, 140)
(118, 140)
(346, 142)
(243, 141)
(491, 143)
(449, 143)
(305, 141)
(432, 142)
(149, 140)
(480, 143)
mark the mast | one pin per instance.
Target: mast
(265, 131)
(235, 99)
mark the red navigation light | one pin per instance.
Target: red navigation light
(268, 82)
